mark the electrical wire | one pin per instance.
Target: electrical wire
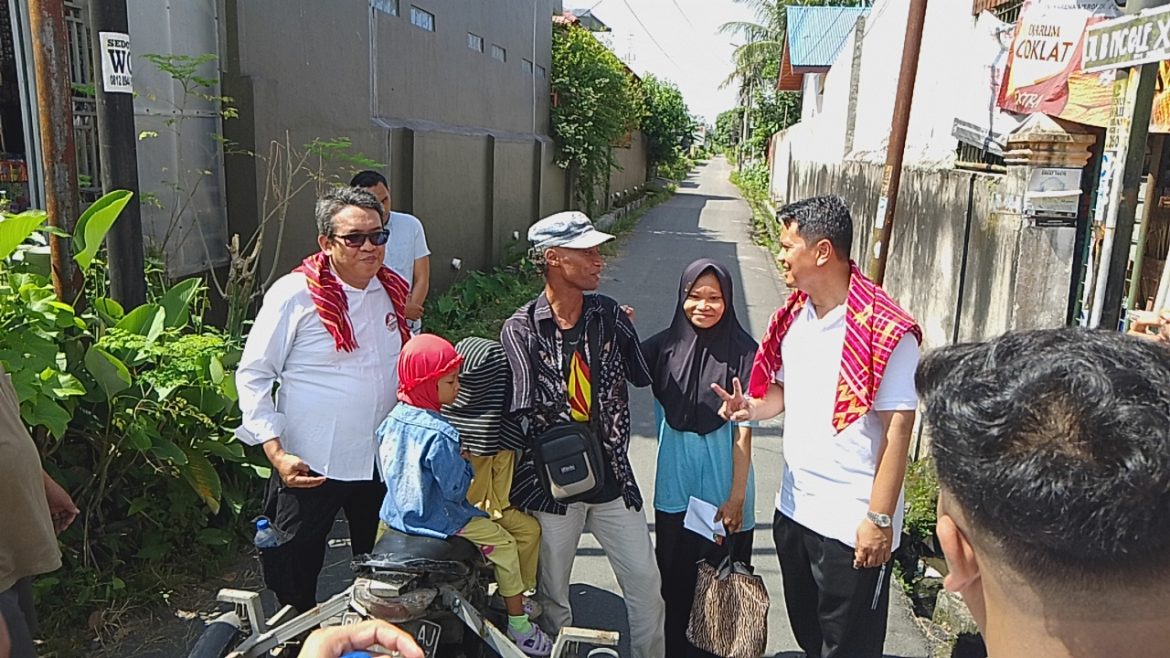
(647, 31)
(682, 13)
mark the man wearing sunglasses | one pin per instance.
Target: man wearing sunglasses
(329, 334)
(407, 252)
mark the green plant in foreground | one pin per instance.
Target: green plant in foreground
(921, 500)
(132, 409)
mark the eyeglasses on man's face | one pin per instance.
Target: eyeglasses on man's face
(356, 240)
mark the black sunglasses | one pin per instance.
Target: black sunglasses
(356, 240)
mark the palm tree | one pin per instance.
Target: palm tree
(763, 41)
(757, 58)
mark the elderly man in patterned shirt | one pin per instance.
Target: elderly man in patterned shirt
(549, 343)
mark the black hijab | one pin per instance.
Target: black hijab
(685, 360)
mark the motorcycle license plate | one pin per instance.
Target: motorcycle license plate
(427, 635)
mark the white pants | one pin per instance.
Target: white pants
(625, 538)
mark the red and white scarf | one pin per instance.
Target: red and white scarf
(874, 323)
(333, 307)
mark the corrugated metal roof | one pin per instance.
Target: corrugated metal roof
(816, 34)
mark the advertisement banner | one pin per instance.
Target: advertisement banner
(1044, 71)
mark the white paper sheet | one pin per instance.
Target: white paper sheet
(700, 519)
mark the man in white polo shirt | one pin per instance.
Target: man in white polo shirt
(839, 360)
(329, 334)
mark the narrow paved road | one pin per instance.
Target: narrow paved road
(707, 218)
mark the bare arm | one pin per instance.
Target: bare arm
(419, 287)
(874, 544)
(731, 512)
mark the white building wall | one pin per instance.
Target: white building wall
(948, 31)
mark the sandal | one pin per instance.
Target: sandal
(533, 643)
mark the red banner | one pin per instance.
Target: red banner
(1043, 72)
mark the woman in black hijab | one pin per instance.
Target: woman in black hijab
(700, 455)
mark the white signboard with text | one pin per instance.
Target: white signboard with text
(117, 77)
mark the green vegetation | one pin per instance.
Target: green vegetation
(668, 128)
(921, 501)
(131, 409)
(597, 104)
(757, 67)
(752, 182)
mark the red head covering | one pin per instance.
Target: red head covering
(424, 360)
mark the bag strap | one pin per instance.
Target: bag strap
(593, 343)
(728, 565)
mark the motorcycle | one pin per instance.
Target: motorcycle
(435, 589)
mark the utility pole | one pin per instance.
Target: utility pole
(55, 124)
(1143, 78)
(892, 175)
(117, 146)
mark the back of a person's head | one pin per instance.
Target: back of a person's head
(368, 178)
(1055, 445)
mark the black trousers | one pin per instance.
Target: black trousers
(836, 611)
(20, 617)
(679, 551)
(302, 519)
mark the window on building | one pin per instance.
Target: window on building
(422, 18)
(475, 42)
(499, 53)
(385, 6)
(526, 65)
(540, 72)
(969, 156)
(1005, 10)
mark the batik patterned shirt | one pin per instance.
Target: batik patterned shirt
(534, 345)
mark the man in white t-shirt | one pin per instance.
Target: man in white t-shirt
(839, 360)
(406, 252)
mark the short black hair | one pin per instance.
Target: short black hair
(336, 200)
(1056, 446)
(368, 178)
(821, 218)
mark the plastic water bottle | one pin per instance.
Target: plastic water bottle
(265, 535)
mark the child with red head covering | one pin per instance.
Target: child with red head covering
(427, 477)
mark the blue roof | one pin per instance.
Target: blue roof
(816, 34)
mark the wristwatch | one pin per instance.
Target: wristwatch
(878, 519)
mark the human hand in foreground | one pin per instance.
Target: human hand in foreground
(295, 472)
(736, 406)
(61, 506)
(731, 514)
(336, 641)
(413, 310)
(874, 545)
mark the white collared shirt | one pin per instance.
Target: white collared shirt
(329, 403)
(828, 477)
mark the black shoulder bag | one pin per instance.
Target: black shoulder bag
(570, 461)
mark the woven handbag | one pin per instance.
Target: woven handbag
(730, 614)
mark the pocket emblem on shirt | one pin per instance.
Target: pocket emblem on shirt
(391, 322)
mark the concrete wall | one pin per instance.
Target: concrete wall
(962, 259)
(633, 162)
(464, 137)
